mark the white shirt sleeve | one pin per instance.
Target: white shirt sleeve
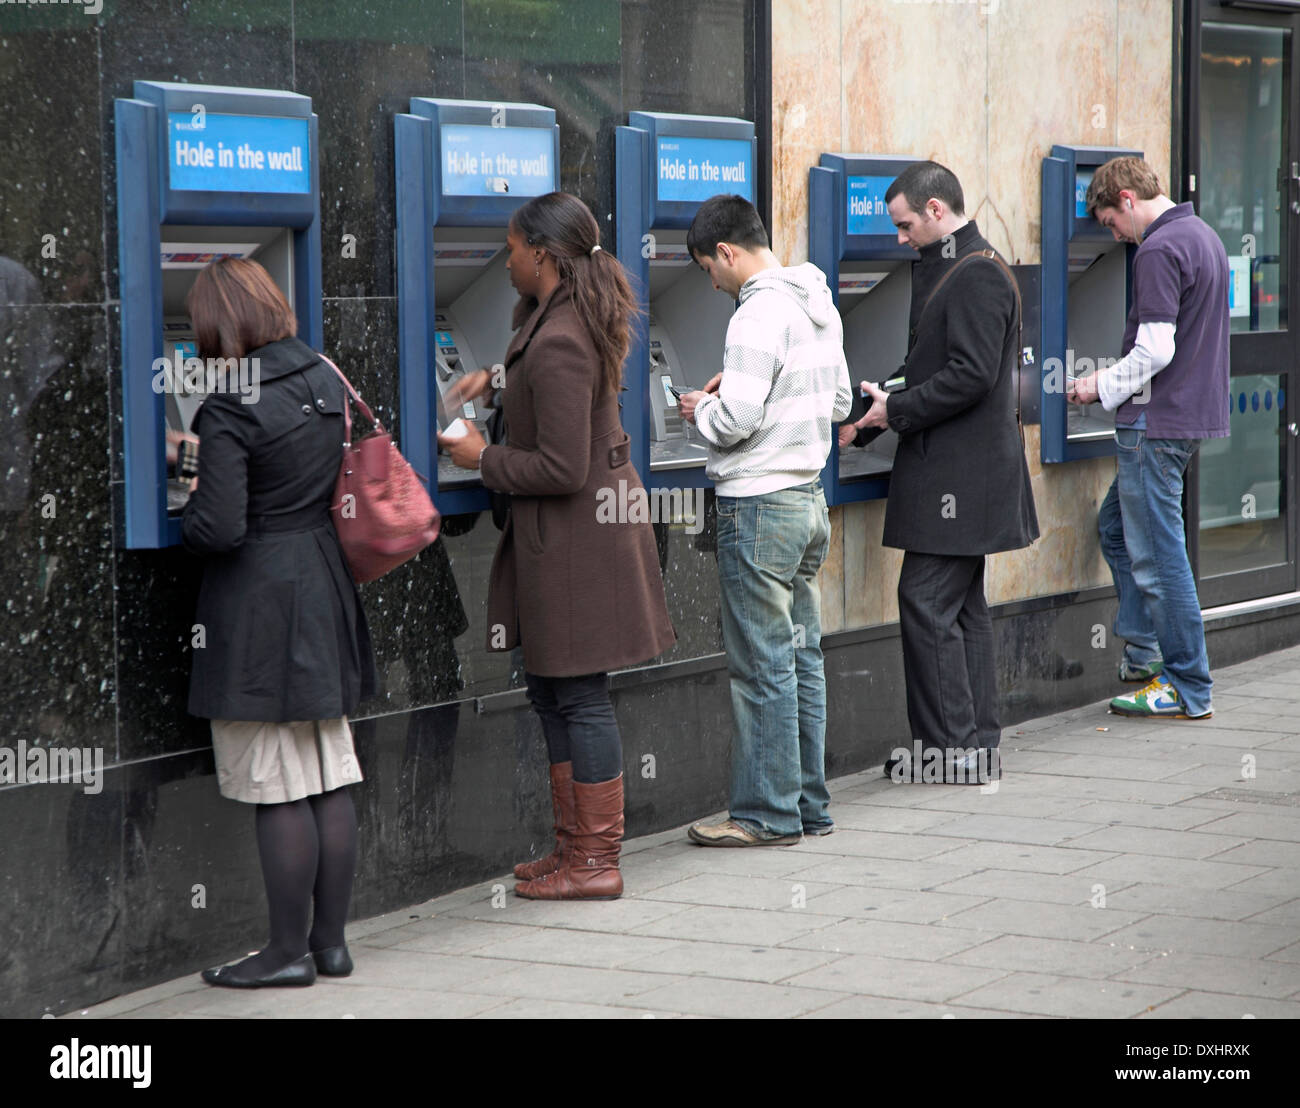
(1153, 349)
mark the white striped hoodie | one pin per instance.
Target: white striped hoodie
(785, 385)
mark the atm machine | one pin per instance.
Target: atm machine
(462, 168)
(665, 167)
(1086, 292)
(203, 172)
(853, 241)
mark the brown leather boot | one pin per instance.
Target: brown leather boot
(590, 871)
(565, 826)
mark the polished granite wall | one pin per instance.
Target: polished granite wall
(94, 639)
(986, 88)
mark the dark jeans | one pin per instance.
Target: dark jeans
(948, 651)
(579, 725)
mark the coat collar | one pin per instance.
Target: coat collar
(963, 237)
(538, 310)
(279, 359)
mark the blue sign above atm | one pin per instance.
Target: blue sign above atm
(693, 169)
(867, 213)
(212, 152)
(497, 161)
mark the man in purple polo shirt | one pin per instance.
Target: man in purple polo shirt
(1168, 392)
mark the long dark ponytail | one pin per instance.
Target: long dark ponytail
(564, 227)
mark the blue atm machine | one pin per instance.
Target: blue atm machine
(853, 241)
(1086, 292)
(203, 172)
(462, 167)
(665, 167)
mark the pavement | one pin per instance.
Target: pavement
(1122, 869)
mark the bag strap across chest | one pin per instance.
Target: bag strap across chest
(992, 256)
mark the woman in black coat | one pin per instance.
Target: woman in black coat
(285, 654)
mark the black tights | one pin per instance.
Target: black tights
(309, 855)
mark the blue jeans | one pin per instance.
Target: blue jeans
(1143, 542)
(769, 550)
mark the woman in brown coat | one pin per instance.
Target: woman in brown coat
(580, 592)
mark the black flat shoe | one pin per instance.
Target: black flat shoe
(299, 972)
(333, 961)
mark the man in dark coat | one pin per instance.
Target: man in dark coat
(960, 485)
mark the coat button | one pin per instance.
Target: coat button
(320, 403)
(306, 409)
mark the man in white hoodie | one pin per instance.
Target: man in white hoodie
(769, 419)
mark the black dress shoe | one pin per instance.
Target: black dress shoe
(299, 972)
(973, 767)
(333, 961)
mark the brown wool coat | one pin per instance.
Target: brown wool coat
(581, 595)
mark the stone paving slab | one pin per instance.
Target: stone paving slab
(1122, 869)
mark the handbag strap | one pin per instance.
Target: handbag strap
(993, 256)
(347, 412)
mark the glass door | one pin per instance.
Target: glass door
(1243, 179)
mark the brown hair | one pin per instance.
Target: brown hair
(235, 307)
(1121, 173)
(563, 226)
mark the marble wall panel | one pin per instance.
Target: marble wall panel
(1051, 79)
(806, 96)
(1067, 554)
(830, 579)
(914, 82)
(1145, 76)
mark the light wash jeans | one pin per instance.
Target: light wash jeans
(769, 550)
(1142, 539)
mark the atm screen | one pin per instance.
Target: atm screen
(669, 398)
(1082, 179)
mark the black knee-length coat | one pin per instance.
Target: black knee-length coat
(581, 593)
(285, 634)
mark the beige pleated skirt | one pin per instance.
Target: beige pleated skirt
(273, 763)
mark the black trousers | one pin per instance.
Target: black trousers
(578, 722)
(948, 657)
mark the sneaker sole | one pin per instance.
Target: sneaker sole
(789, 840)
(1156, 715)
